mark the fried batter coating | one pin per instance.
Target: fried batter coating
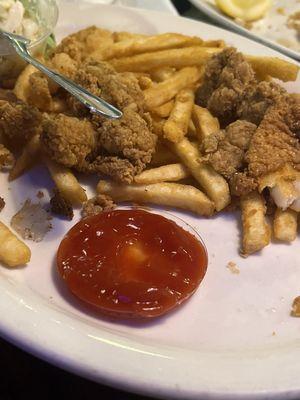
(2, 203)
(61, 206)
(293, 118)
(230, 90)
(121, 90)
(121, 170)
(18, 123)
(117, 148)
(273, 144)
(227, 75)
(96, 205)
(63, 64)
(226, 149)
(257, 99)
(39, 93)
(241, 184)
(7, 95)
(68, 140)
(81, 44)
(128, 137)
(240, 133)
(227, 160)
(6, 158)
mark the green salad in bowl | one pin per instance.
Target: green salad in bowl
(33, 19)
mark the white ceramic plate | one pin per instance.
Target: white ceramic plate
(271, 30)
(234, 338)
(161, 5)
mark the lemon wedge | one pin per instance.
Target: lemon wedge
(247, 10)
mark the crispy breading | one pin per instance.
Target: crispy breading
(241, 184)
(119, 169)
(6, 158)
(81, 44)
(68, 140)
(293, 118)
(18, 123)
(128, 137)
(118, 148)
(7, 95)
(231, 91)
(63, 64)
(227, 75)
(240, 133)
(257, 99)
(227, 160)
(226, 149)
(273, 144)
(2, 203)
(39, 93)
(61, 206)
(96, 205)
(122, 90)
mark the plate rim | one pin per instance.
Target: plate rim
(24, 341)
(229, 23)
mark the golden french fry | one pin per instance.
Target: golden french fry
(213, 184)
(205, 124)
(176, 126)
(22, 85)
(120, 36)
(148, 44)
(28, 157)
(177, 58)
(66, 182)
(165, 173)
(192, 130)
(214, 43)
(164, 110)
(275, 67)
(256, 231)
(162, 74)
(166, 194)
(163, 156)
(162, 92)
(13, 252)
(158, 125)
(285, 225)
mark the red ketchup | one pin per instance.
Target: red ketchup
(131, 263)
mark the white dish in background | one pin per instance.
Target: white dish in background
(270, 30)
(233, 339)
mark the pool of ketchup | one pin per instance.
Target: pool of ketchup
(131, 263)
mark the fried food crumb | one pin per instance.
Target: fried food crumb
(2, 203)
(40, 194)
(295, 312)
(233, 268)
(6, 158)
(293, 21)
(281, 11)
(96, 205)
(61, 206)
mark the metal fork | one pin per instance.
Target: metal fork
(93, 103)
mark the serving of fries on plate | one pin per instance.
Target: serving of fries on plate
(205, 129)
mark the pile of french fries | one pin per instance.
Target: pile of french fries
(169, 68)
